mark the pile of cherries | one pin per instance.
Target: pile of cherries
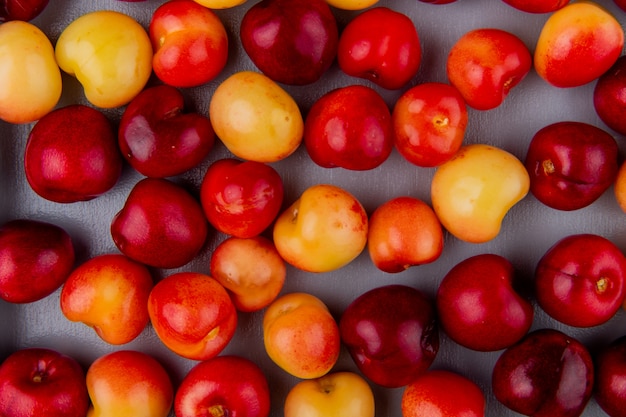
(580, 281)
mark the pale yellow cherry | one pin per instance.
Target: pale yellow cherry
(472, 192)
(255, 118)
(323, 230)
(30, 79)
(351, 4)
(109, 53)
(220, 4)
(337, 394)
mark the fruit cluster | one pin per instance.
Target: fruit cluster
(195, 121)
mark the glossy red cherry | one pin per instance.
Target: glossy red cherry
(571, 164)
(241, 198)
(161, 224)
(158, 138)
(580, 280)
(349, 127)
(479, 307)
(391, 333)
(546, 374)
(610, 381)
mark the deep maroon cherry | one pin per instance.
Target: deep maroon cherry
(571, 164)
(610, 382)
(546, 374)
(391, 334)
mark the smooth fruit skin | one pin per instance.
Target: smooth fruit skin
(301, 336)
(580, 280)
(609, 96)
(546, 374)
(160, 224)
(21, 10)
(485, 64)
(442, 393)
(223, 386)
(158, 138)
(36, 258)
(479, 307)
(352, 4)
(323, 230)
(109, 53)
(571, 164)
(129, 383)
(537, 6)
(241, 198)
(190, 43)
(610, 377)
(251, 269)
(255, 118)
(337, 394)
(72, 155)
(110, 294)
(404, 232)
(42, 382)
(220, 4)
(31, 84)
(577, 44)
(293, 42)
(391, 334)
(349, 127)
(429, 121)
(192, 314)
(619, 190)
(380, 45)
(473, 191)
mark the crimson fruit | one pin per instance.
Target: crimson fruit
(291, 41)
(546, 374)
(72, 155)
(429, 122)
(485, 64)
(36, 258)
(158, 139)
(571, 164)
(190, 43)
(610, 378)
(42, 382)
(479, 307)
(349, 127)
(391, 333)
(25, 10)
(537, 6)
(380, 45)
(241, 198)
(579, 281)
(609, 96)
(161, 224)
(223, 386)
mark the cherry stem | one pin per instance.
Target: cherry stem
(41, 373)
(548, 166)
(217, 411)
(602, 285)
(441, 121)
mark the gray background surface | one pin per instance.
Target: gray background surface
(529, 229)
